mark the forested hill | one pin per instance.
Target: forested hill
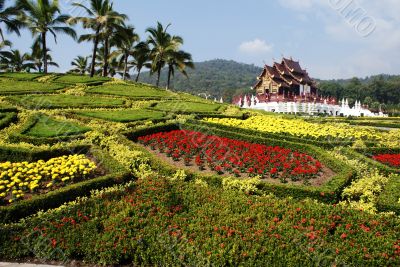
(215, 77)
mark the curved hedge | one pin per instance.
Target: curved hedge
(7, 119)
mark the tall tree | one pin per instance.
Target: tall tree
(42, 17)
(180, 60)
(101, 17)
(8, 17)
(36, 56)
(125, 39)
(161, 44)
(80, 65)
(141, 57)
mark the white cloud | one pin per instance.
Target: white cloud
(297, 4)
(255, 47)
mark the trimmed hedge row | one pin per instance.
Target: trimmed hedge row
(389, 199)
(116, 174)
(8, 118)
(22, 137)
(284, 137)
(329, 192)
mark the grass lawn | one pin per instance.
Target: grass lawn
(74, 79)
(64, 101)
(133, 91)
(22, 76)
(48, 127)
(123, 115)
(187, 107)
(25, 87)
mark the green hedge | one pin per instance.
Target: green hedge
(116, 174)
(8, 118)
(329, 192)
(22, 135)
(389, 199)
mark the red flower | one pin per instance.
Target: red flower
(343, 236)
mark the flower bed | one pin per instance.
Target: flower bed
(23, 179)
(392, 160)
(239, 158)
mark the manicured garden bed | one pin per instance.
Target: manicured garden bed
(129, 115)
(155, 222)
(21, 76)
(65, 101)
(42, 129)
(17, 164)
(7, 118)
(77, 79)
(9, 87)
(187, 107)
(135, 91)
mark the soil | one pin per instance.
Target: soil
(323, 177)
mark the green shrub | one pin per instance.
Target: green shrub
(76, 79)
(21, 76)
(129, 115)
(7, 118)
(186, 107)
(8, 87)
(135, 91)
(65, 101)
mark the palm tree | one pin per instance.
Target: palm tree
(141, 58)
(162, 43)
(36, 56)
(180, 60)
(80, 65)
(4, 54)
(101, 17)
(43, 16)
(7, 16)
(17, 62)
(124, 39)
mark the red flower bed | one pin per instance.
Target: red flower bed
(389, 159)
(224, 155)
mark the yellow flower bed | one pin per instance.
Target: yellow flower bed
(18, 179)
(301, 128)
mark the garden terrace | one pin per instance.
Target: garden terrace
(65, 101)
(186, 107)
(207, 224)
(81, 79)
(124, 116)
(42, 129)
(50, 186)
(21, 76)
(134, 91)
(7, 118)
(10, 87)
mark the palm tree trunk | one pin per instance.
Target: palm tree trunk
(96, 43)
(158, 76)
(126, 66)
(169, 76)
(138, 74)
(44, 52)
(105, 64)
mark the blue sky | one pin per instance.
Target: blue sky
(331, 38)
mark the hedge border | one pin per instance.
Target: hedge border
(329, 192)
(117, 174)
(9, 118)
(22, 137)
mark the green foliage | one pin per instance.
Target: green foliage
(11, 87)
(136, 91)
(21, 76)
(129, 115)
(187, 107)
(76, 79)
(7, 118)
(65, 101)
(157, 222)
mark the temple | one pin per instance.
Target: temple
(287, 88)
(286, 81)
